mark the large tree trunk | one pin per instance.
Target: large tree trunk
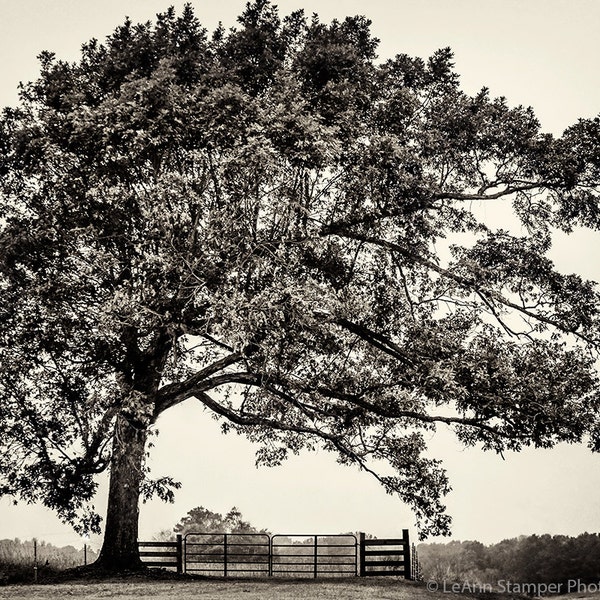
(120, 547)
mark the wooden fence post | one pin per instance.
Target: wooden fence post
(406, 550)
(35, 561)
(270, 557)
(179, 551)
(361, 550)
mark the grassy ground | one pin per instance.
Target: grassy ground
(248, 589)
(273, 589)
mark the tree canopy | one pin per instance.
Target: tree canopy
(277, 223)
(203, 520)
(534, 559)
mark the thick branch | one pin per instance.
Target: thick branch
(384, 343)
(260, 381)
(358, 400)
(173, 393)
(505, 192)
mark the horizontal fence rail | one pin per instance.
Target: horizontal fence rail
(296, 555)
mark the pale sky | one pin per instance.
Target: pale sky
(542, 53)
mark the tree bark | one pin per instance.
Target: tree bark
(120, 548)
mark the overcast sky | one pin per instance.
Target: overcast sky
(542, 53)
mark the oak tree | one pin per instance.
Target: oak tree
(277, 223)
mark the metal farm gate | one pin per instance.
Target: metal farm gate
(257, 554)
(313, 555)
(226, 554)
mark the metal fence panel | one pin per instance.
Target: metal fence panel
(227, 554)
(314, 555)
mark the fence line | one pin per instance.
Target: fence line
(32, 559)
(314, 555)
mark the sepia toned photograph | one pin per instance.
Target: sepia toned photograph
(300, 299)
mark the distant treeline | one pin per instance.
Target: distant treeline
(527, 559)
(18, 556)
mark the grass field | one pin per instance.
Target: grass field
(240, 589)
(273, 589)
